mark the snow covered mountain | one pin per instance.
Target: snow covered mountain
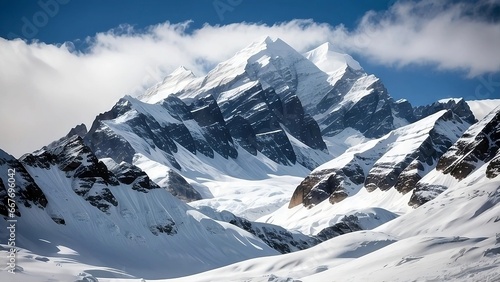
(76, 202)
(267, 110)
(272, 152)
(478, 145)
(454, 237)
(375, 174)
(393, 160)
(344, 95)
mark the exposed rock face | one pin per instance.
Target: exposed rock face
(168, 228)
(346, 225)
(198, 128)
(178, 131)
(131, 175)
(256, 116)
(243, 134)
(493, 169)
(385, 175)
(90, 177)
(207, 114)
(424, 192)
(27, 192)
(410, 176)
(180, 188)
(329, 183)
(404, 110)
(79, 130)
(478, 145)
(458, 106)
(397, 160)
(104, 142)
(274, 236)
(372, 113)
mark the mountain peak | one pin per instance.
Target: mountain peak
(452, 100)
(176, 81)
(181, 71)
(269, 40)
(330, 60)
(325, 47)
(269, 44)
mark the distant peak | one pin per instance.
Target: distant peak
(327, 46)
(329, 59)
(269, 40)
(276, 41)
(79, 130)
(447, 100)
(181, 71)
(267, 43)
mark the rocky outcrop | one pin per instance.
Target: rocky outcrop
(397, 160)
(207, 114)
(168, 228)
(329, 184)
(458, 106)
(346, 225)
(79, 130)
(131, 175)
(372, 113)
(385, 175)
(242, 132)
(104, 142)
(425, 192)
(410, 176)
(493, 169)
(26, 191)
(274, 236)
(90, 178)
(180, 188)
(478, 145)
(258, 118)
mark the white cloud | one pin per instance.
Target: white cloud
(456, 35)
(48, 89)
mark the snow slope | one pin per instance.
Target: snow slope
(136, 226)
(271, 61)
(481, 108)
(455, 237)
(249, 185)
(369, 161)
(243, 137)
(331, 62)
(273, 82)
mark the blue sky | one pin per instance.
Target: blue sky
(79, 19)
(422, 51)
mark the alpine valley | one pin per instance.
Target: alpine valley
(274, 166)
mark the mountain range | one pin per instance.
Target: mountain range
(274, 166)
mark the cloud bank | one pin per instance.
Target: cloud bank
(47, 89)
